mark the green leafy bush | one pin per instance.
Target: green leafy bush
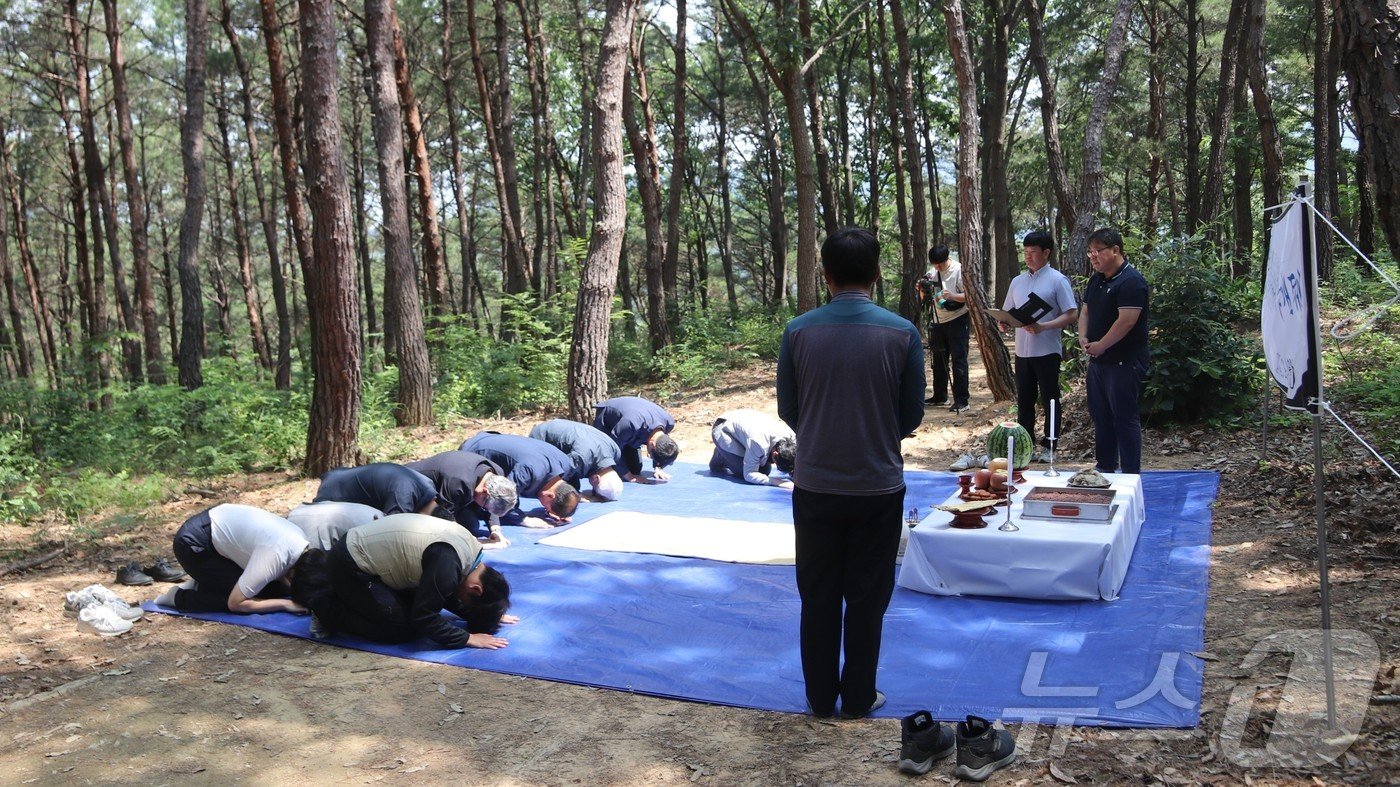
(480, 375)
(1202, 362)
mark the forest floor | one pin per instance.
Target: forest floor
(180, 701)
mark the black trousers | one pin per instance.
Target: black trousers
(215, 574)
(1037, 379)
(947, 346)
(1113, 388)
(846, 547)
(361, 605)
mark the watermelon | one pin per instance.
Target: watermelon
(996, 443)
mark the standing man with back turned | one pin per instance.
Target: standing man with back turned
(850, 383)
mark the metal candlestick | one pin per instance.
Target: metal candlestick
(1051, 472)
(1009, 526)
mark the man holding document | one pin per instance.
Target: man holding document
(1039, 304)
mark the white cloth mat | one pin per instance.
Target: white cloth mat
(683, 536)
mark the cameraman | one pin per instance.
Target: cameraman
(941, 293)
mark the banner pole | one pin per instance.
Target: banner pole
(1319, 503)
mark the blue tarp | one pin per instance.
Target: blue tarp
(727, 633)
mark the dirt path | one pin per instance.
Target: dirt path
(180, 701)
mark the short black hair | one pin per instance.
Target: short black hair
(483, 613)
(938, 255)
(566, 499)
(1039, 238)
(1106, 237)
(851, 256)
(311, 578)
(785, 454)
(664, 451)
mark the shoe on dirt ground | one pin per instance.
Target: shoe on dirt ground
(99, 596)
(935, 401)
(964, 462)
(874, 706)
(131, 574)
(924, 741)
(982, 749)
(101, 620)
(165, 571)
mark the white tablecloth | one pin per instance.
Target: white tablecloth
(1044, 559)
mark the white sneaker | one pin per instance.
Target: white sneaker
(963, 462)
(101, 620)
(101, 596)
(982, 461)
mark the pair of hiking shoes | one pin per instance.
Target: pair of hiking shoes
(981, 748)
(162, 569)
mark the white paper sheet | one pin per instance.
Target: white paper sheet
(683, 536)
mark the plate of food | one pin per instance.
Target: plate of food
(1090, 478)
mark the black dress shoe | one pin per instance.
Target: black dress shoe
(165, 571)
(935, 401)
(131, 574)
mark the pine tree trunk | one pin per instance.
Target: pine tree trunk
(192, 154)
(787, 72)
(1156, 117)
(1221, 121)
(1075, 259)
(282, 368)
(252, 301)
(1242, 223)
(641, 137)
(679, 155)
(471, 281)
(1001, 261)
(403, 311)
(540, 141)
(1370, 36)
(24, 366)
(826, 193)
(332, 303)
(38, 300)
(911, 262)
(1322, 110)
(516, 259)
(282, 114)
(1049, 111)
(434, 263)
(726, 232)
(908, 301)
(994, 356)
(588, 352)
(370, 335)
(775, 191)
(1193, 123)
(135, 198)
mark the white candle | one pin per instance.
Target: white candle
(1010, 461)
(1052, 419)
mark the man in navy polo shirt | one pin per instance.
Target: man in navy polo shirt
(391, 488)
(1113, 334)
(595, 455)
(538, 469)
(633, 422)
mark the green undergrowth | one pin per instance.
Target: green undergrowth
(60, 455)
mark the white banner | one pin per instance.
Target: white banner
(1288, 333)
